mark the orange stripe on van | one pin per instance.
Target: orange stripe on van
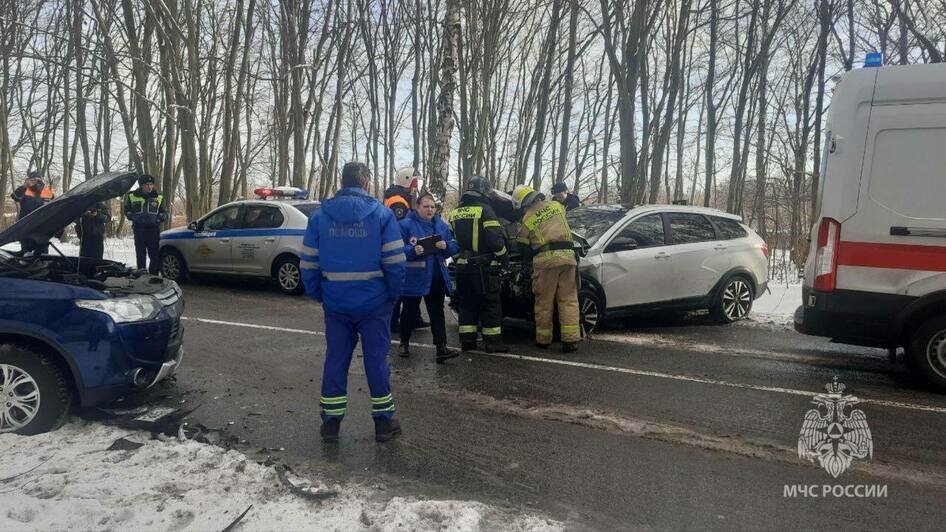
(892, 256)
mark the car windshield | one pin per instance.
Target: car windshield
(306, 208)
(592, 222)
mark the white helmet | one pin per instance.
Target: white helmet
(407, 177)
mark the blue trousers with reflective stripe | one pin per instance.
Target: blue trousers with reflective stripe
(341, 333)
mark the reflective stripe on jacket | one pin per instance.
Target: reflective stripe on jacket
(477, 229)
(144, 209)
(420, 270)
(543, 226)
(352, 258)
(29, 200)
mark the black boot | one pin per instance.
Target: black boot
(329, 430)
(569, 347)
(386, 428)
(541, 345)
(444, 353)
(496, 346)
(468, 346)
(421, 324)
(404, 350)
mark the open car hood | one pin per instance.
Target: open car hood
(40, 225)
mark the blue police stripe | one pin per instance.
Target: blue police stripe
(234, 233)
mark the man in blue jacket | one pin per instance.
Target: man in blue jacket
(352, 262)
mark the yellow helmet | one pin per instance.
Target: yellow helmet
(524, 196)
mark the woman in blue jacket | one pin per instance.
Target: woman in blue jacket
(426, 275)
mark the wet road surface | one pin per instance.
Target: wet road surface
(672, 423)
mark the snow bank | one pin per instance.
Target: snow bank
(117, 249)
(779, 306)
(68, 480)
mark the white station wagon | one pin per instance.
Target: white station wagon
(654, 257)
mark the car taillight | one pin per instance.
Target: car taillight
(826, 256)
(765, 249)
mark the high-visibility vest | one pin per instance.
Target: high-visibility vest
(46, 193)
(394, 200)
(546, 230)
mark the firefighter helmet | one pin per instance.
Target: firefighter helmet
(407, 177)
(479, 185)
(524, 196)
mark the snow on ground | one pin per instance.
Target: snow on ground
(69, 480)
(117, 249)
(778, 306)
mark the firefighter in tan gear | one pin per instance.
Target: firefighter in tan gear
(554, 269)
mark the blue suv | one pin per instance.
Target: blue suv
(78, 331)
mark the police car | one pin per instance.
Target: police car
(257, 238)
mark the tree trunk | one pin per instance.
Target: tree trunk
(711, 105)
(439, 162)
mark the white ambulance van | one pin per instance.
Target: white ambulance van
(876, 272)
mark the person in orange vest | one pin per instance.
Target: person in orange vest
(399, 197)
(29, 196)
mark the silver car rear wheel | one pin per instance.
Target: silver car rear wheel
(734, 301)
(737, 300)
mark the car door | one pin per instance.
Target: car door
(699, 260)
(257, 239)
(213, 239)
(634, 263)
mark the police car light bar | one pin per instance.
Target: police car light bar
(281, 192)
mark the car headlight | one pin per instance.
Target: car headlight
(124, 309)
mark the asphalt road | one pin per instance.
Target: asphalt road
(673, 423)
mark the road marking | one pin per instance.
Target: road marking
(615, 369)
(653, 339)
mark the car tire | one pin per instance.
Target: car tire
(287, 275)
(590, 311)
(927, 351)
(32, 375)
(733, 301)
(173, 266)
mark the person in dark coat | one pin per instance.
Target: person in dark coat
(91, 231)
(426, 276)
(561, 194)
(29, 196)
(146, 209)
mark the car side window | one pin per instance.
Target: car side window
(729, 229)
(687, 228)
(261, 217)
(647, 232)
(227, 218)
